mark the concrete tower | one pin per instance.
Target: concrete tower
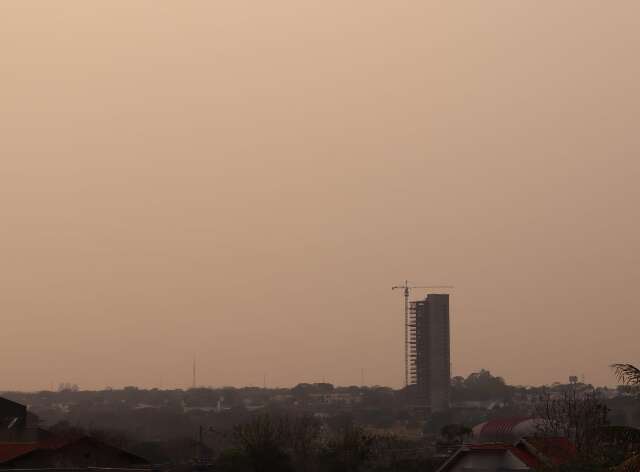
(431, 359)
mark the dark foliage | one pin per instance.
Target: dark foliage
(480, 386)
(627, 373)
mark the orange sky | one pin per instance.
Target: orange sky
(244, 181)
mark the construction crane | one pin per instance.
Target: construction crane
(407, 291)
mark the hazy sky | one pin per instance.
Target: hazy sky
(244, 181)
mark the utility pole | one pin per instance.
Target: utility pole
(194, 373)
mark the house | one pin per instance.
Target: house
(12, 414)
(57, 452)
(14, 422)
(489, 457)
(527, 454)
(24, 447)
(336, 398)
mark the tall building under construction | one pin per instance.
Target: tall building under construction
(429, 352)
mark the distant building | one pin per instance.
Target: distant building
(430, 355)
(336, 398)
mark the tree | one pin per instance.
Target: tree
(233, 460)
(262, 441)
(573, 413)
(480, 386)
(279, 442)
(455, 433)
(628, 374)
(349, 449)
(303, 437)
(630, 465)
(436, 421)
(68, 387)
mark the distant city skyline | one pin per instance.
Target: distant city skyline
(244, 182)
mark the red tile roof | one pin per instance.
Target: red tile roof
(56, 442)
(9, 451)
(504, 429)
(557, 450)
(526, 457)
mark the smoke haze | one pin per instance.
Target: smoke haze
(244, 181)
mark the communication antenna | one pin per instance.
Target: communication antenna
(194, 373)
